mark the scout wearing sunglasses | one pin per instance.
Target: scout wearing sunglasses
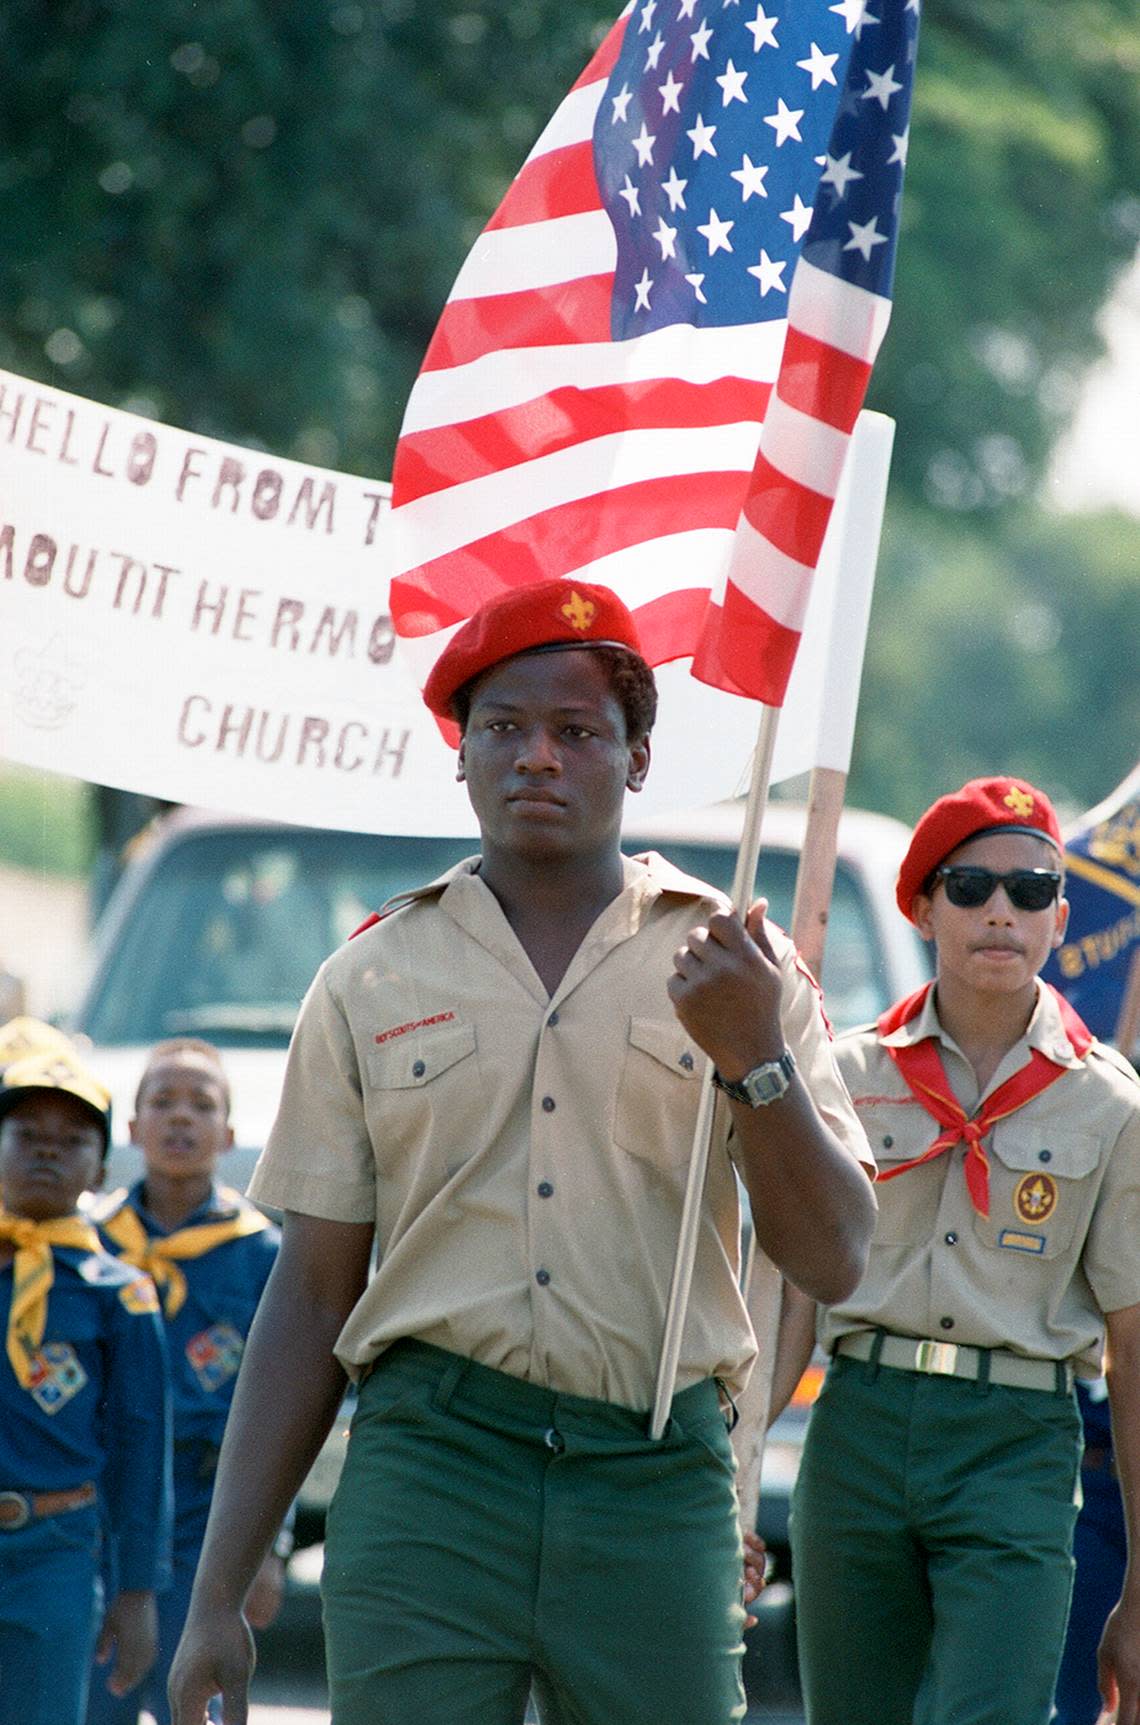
(935, 1501)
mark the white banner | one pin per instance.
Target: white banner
(209, 624)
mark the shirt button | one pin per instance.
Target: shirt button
(545, 1189)
(946, 1323)
(951, 1238)
(554, 1440)
(1045, 1155)
(552, 1021)
(687, 1062)
(548, 1105)
(418, 1069)
(542, 1277)
(888, 1142)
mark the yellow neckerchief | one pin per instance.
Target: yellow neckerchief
(33, 1272)
(155, 1253)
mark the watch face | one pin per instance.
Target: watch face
(769, 1082)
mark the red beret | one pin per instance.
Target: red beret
(979, 807)
(547, 614)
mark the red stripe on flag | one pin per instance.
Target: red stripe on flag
(789, 515)
(668, 626)
(429, 461)
(562, 540)
(821, 381)
(746, 651)
(561, 183)
(605, 59)
(563, 315)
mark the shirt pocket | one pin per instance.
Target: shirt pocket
(908, 1204)
(655, 1114)
(425, 1092)
(1041, 1188)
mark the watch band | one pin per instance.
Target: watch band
(765, 1083)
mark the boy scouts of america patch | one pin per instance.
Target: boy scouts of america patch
(1036, 1198)
(56, 1376)
(215, 1355)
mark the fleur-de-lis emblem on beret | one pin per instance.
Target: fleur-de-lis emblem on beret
(1021, 802)
(579, 612)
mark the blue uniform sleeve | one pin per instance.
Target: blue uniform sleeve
(137, 1482)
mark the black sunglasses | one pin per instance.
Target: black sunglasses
(1026, 888)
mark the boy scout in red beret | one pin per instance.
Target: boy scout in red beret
(497, 1082)
(933, 1515)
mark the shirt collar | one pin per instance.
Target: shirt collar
(1045, 1030)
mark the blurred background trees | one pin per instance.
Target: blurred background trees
(243, 217)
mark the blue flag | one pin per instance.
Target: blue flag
(1102, 861)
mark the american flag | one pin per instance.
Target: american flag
(651, 362)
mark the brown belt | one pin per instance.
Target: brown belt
(18, 1508)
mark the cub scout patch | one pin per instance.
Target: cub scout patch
(139, 1295)
(56, 1376)
(1036, 1198)
(215, 1355)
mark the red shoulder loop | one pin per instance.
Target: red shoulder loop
(369, 922)
(903, 1010)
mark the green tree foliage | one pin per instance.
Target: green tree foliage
(244, 216)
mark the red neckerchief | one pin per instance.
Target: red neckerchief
(920, 1065)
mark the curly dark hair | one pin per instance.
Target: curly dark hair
(633, 683)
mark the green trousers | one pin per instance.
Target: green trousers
(931, 1528)
(488, 1537)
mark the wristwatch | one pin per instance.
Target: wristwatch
(765, 1083)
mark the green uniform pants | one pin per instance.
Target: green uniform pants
(488, 1536)
(931, 1530)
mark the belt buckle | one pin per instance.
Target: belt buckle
(941, 1358)
(23, 1511)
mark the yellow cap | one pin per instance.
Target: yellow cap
(56, 1068)
(21, 1036)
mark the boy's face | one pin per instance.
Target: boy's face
(51, 1151)
(182, 1122)
(546, 757)
(993, 947)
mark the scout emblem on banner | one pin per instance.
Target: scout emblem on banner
(650, 364)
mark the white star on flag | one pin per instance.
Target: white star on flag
(695, 282)
(798, 217)
(653, 52)
(716, 232)
(632, 196)
(819, 66)
(666, 238)
(769, 273)
(865, 236)
(752, 177)
(674, 190)
(901, 142)
(700, 40)
(785, 122)
(641, 289)
(732, 83)
(839, 173)
(881, 87)
(647, 12)
(763, 30)
(621, 104)
(643, 144)
(670, 92)
(702, 137)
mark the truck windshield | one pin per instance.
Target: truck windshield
(224, 938)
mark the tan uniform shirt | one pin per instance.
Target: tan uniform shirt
(523, 1156)
(1061, 1244)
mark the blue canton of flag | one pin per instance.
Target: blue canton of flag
(727, 143)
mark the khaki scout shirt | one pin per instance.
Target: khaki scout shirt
(1061, 1244)
(523, 1155)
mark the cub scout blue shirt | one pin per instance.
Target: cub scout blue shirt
(206, 1335)
(97, 1407)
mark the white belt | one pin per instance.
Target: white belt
(955, 1360)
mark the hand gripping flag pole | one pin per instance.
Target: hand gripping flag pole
(742, 886)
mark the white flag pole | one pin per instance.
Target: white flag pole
(742, 887)
(859, 516)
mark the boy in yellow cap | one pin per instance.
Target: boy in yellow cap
(84, 1407)
(209, 1251)
(933, 1515)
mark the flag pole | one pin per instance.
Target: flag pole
(742, 888)
(762, 1284)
